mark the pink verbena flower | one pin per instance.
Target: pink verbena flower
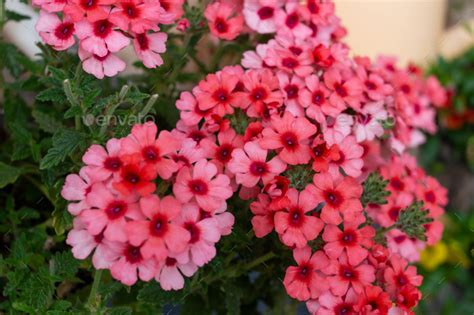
(54, 32)
(223, 20)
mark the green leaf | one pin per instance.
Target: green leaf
(14, 16)
(62, 220)
(46, 122)
(8, 174)
(233, 295)
(54, 94)
(63, 265)
(413, 219)
(64, 143)
(152, 293)
(121, 310)
(375, 190)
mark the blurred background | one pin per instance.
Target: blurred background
(437, 35)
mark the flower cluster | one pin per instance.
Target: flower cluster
(105, 27)
(131, 230)
(408, 183)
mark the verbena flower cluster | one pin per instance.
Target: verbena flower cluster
(131, 230)
(105, 27)
(296, 130)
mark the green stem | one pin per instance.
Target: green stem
(40, 187)
(258, 261)
(94, 299)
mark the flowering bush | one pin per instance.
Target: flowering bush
(297, 151)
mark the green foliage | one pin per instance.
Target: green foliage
(375, 190)
(413, 219)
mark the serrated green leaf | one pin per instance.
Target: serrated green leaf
(64, 143)
(54, 94)
(121, 310)
(63, 265)
(8, 174)
(46, 122)
(62, 220)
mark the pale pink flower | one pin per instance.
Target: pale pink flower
(289, 21)
(148, 48)
(368, 121)
(54, 32)
(50, 5)
(170, 273)
(108, 65)
(190, 112)
(350, 158)
(335, 129)
(260, 14)
(76, 188)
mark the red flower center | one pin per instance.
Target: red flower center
(296, 50)
(102, 28)
(333, 198)
(341, 90)
(224, 153)
(133, 254)
(290, 63)
(197, 135)
(131, 10)
(291, 91)
(364, 119)
(221, 25)
(194, 231)
(343, 309)
(400, 239)
(405, 88)
(349, 238)
(64, 30)
(304, 272)
(89, 4)
(319, 150)
(258, 168)
(313, 7)
(170, 261)
(112, 164)
(132, 177)
(348, 273)
(265, 13)
(318, 98)
(220, 95)
(397, 184)
(430, 196)
(198, 187)
(116, 209)
(143, 41)
(151, 154)
(98, 238)
(159, 226)
(259, 94)
(204, 215)
(393, 213)
(402, 279)
(296, 217)
(370, 85)
(289, 140)
(292, 20)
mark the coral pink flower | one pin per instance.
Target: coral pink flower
(76, 188)
(294, 225)
(174, 7)
(221, 153)
(434, 196)
(289, 21)
(374, 85)
(323, 154)
(183, 25)
(170, 274)
(148, 48)
(250, 165)
(345, 276)
(154, 150)
(223, 20)
(262, 221)
(316, 100)
(261, 88)
(352, 239)
(341, 195)
(83, 243)
(387, 214)
(344, 91)
(368, 121)
(260, 15)
(103, 163)
(292, 88)
(204, 234)
(318, 11)
(350, 158)
(304, 281)
(50, 5)
(374, 301)
(139, 15)
(216, 92)
(135, 177)
(437, 94)
(132, 261)
(203, 184)
(54, 32)
(94, 10)
(158, 235)
(287, 60)
(108, 213)
(100, 38)
(188, 154)
(225, 220)
(409, 248)
(108, 65)
(434, 232)
(190, 113)
(329, 304)
(291, 135)
(398, 275)
(407, 299)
